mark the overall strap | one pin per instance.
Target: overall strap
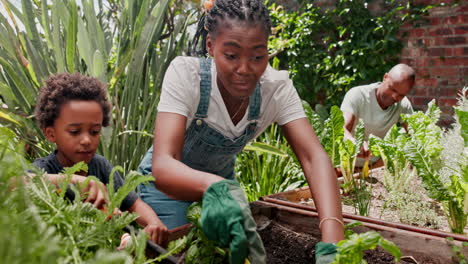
(255, 103)
(205, 88)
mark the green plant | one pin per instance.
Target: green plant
(199, 248)
(330, 131)
(405, 193)
(398, 170)
(268, 166)
(462, 113)
(128, 45)
(348, 155)
(457, 251)
(361, 194)
(351, 250)
(441, 161)
(329, 50)
(412, 206)
(24, 238)
(85, 228)
(39, 226)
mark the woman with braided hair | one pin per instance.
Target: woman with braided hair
(209, 109)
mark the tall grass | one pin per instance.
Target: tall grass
(268, 166)
(127, 44)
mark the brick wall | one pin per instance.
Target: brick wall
(437, 48)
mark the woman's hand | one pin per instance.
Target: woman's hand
(150, 221)
(158, 232)
(227, 219)
(320, 175)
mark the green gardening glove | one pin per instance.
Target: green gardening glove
(325, 253)
(226, 219)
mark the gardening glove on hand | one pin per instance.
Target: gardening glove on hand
(226, 219)
(325, 253)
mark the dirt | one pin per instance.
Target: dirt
(286, 246)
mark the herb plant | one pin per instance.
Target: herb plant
(351, 250)
(199, 249)
(398, 171)
(37, 225)
(348, 155)
(457, 252)
(441, 161)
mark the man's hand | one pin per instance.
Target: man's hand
(226, 218)
(158, 233)
(93, 191)
(365, 152)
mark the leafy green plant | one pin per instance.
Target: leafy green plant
(457, 251)
(361, 194)
(24, 238)
(348, 155)
(398, 171)
(329, 50)
(85, 228)
(199, 249)
(268, 166)
(330, 131)
(405, 194)
(39, 226)
(441, 161)
(462, 113)
(412, 206)
(351, 250)
(128, 45)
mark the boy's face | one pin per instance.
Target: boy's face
(76, 131)
(241, 55)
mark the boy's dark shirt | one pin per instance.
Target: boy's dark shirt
(99, 167)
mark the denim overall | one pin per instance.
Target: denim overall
(205, 149)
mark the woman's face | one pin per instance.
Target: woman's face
(241, 55)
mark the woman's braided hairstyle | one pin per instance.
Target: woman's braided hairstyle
(252, 11)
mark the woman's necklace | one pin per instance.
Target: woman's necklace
(240, 108)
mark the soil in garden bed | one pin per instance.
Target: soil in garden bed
(286, 246)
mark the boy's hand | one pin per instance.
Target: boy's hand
(157, 232)
(94, 192)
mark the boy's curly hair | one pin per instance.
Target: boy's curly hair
(63, 87)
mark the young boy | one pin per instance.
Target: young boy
(71, 111)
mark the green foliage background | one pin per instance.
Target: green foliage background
(126, 44)
(329, 50)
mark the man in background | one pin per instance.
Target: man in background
(379, 105)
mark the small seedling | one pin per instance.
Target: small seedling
(351, 250)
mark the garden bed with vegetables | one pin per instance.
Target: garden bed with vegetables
(414, 208)
(289, 235)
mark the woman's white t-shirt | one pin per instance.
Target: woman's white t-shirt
(181, 94)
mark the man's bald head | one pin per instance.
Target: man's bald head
(396, 84)
(402, 72)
